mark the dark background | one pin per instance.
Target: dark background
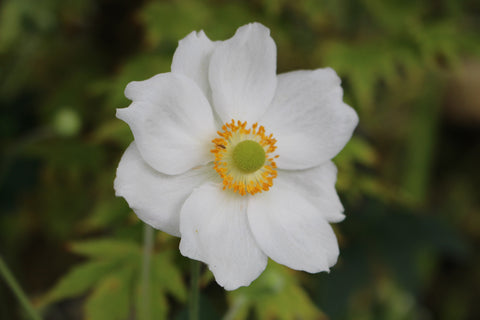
(409, 178)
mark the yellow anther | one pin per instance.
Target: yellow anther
(238, 179)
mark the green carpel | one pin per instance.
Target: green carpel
(248, 156)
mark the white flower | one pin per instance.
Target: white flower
(190, 172)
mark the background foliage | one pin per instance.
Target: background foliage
(409, 178)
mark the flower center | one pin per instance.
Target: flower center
(243, 158)
(249, 156)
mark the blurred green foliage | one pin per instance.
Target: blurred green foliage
(409, 178)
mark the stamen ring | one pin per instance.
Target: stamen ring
(253, 175)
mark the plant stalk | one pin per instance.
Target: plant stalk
(194, 307)
(17, 290)
(148, 241)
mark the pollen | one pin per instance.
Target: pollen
(244, 157)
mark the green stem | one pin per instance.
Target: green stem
(421, 143)
(148, 241)
(17, 290)
(193, 313)
(237, 306)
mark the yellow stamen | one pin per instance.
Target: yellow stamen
(233, 177)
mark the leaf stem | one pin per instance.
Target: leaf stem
(148, 241)
(17, 290)
(193, 312)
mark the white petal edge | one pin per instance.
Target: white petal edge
(215, 230)
(156, 198)
(172, 122)
(291, 231)
(192, 59)
(317, 185)
(309, 118)
(242, 74)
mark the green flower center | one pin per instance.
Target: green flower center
(249, 156)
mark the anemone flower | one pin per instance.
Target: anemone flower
(235, 159)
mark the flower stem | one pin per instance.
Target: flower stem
(193, 312)
(237, 306)
(17, 290)
(148, 240)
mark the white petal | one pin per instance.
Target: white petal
(192, 59)
(308, 118)
(242, 74)
(214, 229)
(156, 198)
(291, 231)
(172, 122)
(317, 185)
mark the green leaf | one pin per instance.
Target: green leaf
(394, 16)
(165, 278)
(276, 294)
(114, 275)
(108, 249)
(172, 20)
(157, 305)
(419, 154)
(78, 280)
(111, 299)
(10, 24)
(359, 150)
(13, 17)
(440, 40)
(106, 214)
(168, 276)
(364, 64)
